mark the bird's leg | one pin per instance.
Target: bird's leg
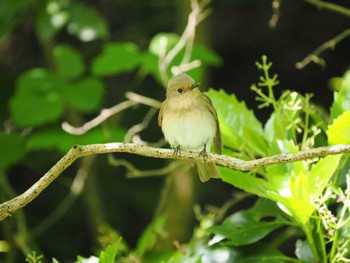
(204, 153)
(177, 151)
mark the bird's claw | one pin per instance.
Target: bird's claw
(177, 151)
(204, 153)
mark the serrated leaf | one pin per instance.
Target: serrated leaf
(69, 62)
(86, 23)
(85, 95)
(37, 99)
(11, 149)
(339, 131)
(116, 58)
(240, 128)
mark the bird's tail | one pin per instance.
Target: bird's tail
(207, 170)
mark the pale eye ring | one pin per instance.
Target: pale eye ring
(180, 90)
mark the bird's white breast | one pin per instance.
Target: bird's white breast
(190, 125)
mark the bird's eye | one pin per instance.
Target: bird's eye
(180, 90)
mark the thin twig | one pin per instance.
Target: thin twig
(9, 207)
(134, 130)
(330, 6)
(143, 100)
(315, 55)
(134, 172)
(198, 13)
(104, 115)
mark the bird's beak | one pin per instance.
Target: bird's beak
(195, 85)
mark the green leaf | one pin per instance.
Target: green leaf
(69, 62)
(91, 259)
(85, 95)
(109, 254)
(117, 58)
(37, 99)
(56, 138)
(241, 130)
(282, 123)
(51, 17)
(245, 181)
(86, 23)
(248, 226)
(320, 174)
(150, 65)
(279, 175)
(11, 149)
(206, 55)
(163, 41)
(298, 209)
(339, 130)
(341, 95)
(150, 235)
(9, 17)
(304, 252)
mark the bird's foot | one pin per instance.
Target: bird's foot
(204, 153)
(177, 151)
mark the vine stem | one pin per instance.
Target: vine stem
(77, 151)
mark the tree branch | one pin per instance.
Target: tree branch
(77, 151)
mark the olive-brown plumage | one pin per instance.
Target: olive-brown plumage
(189, 122)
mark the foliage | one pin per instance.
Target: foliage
(304, 205)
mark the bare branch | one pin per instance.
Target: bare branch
(104, 115)
(198, 13)
(143, 100)
(330, 6)
(315, 55)
(9, 207)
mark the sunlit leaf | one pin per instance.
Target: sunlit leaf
(37, 99)
(341, 95)
(11, 149)
(117, 58)
(299, 209)
(108, 255)
(339, 130)
(240, 128)
(320, 174)
(69, 62)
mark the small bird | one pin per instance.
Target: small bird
(189, 122)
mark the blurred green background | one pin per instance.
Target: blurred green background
(58, 48)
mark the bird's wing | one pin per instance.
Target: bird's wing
(218, 140)
(160, 115)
